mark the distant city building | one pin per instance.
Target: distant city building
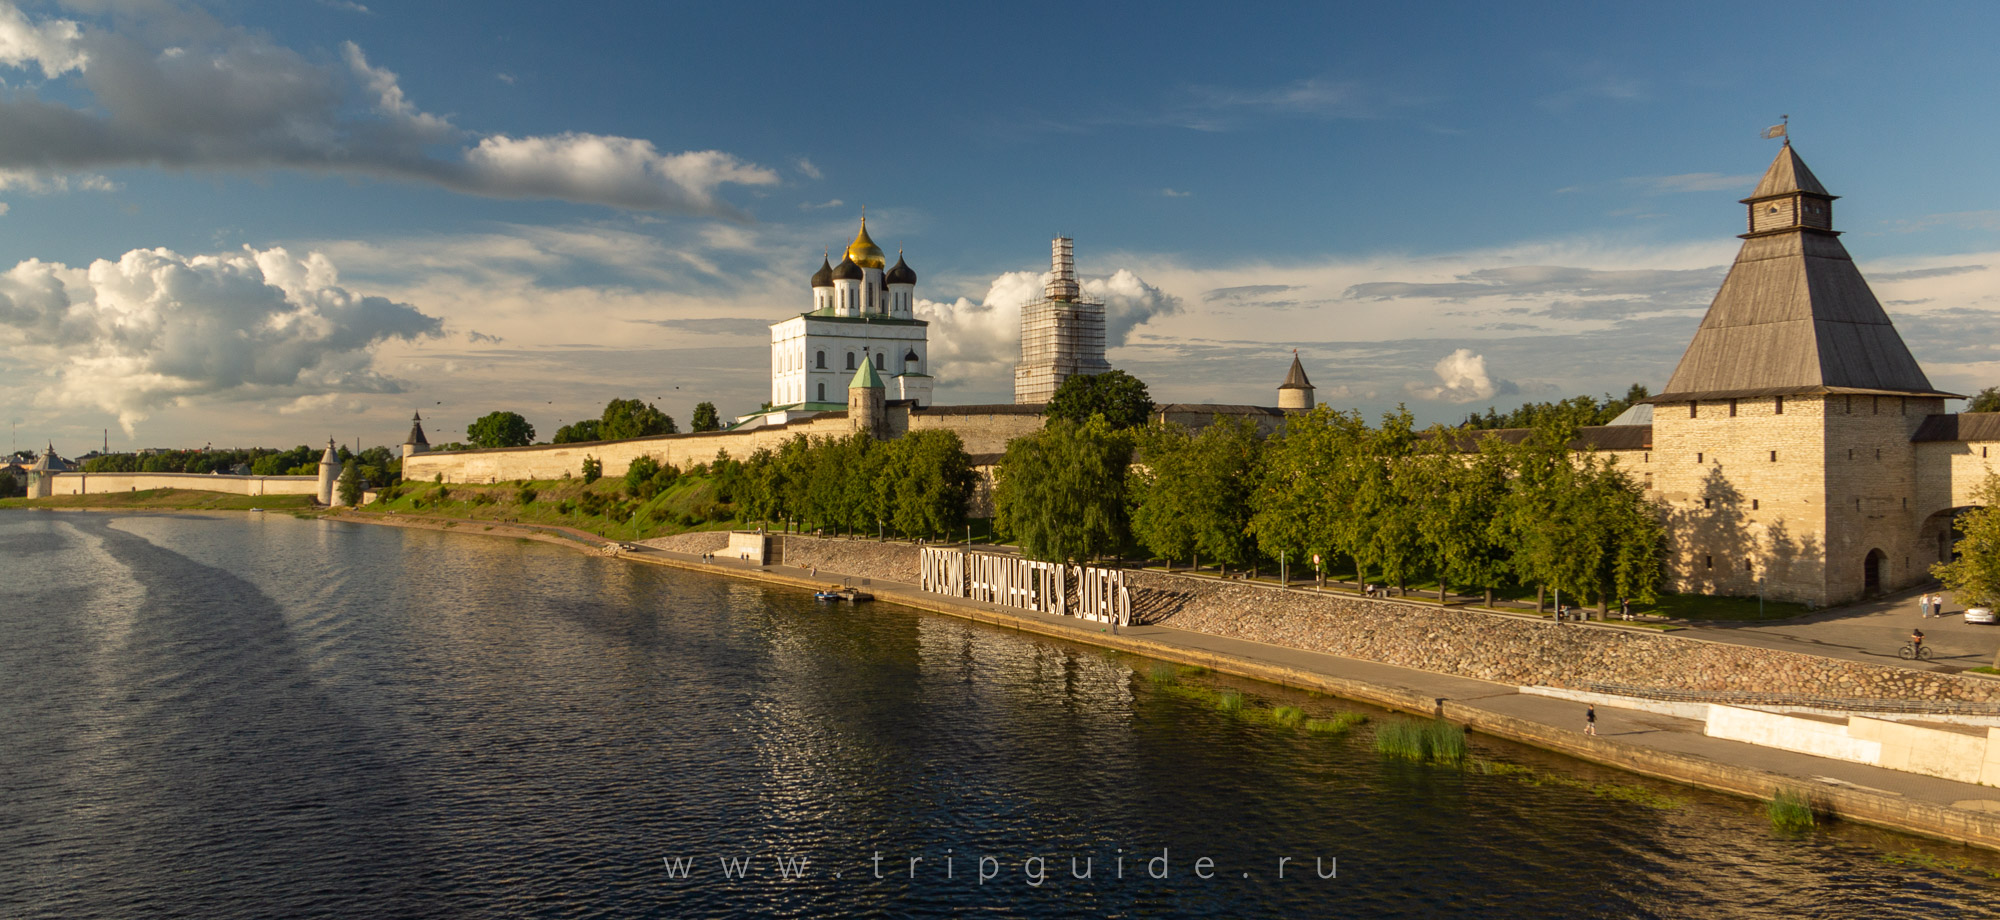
(861, 309)
(1062, 334)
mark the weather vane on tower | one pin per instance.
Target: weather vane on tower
(1781, 129)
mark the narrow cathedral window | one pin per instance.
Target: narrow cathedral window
(822, 360)
(1694, 410)
(850, 360)
(822, 392)
(1778, 406)
(1732, 408)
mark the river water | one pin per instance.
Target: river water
(260, 716)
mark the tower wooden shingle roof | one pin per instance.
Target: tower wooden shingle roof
(1794, 316)
(1295, 379)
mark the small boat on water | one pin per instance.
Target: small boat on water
(843, 594)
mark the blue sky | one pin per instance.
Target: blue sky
(461, 207)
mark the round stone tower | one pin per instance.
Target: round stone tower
(42, 476)
(1296, 393)
(416, 443)
(329, 473)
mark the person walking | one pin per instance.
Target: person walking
(1937, 605)
(1590, 719)
(1924, 607)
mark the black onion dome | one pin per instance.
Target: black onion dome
(847, 271)
(823, 277)
(900, 273)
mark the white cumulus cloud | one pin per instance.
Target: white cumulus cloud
(52, 44)
(1462, 378)
(229, 98)
(983, 339)
(156, 328)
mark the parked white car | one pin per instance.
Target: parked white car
(1980, 615)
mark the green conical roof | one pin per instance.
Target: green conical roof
(865, 378)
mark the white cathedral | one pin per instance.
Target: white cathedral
(861, 311)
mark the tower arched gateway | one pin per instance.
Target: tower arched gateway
(1798, 395)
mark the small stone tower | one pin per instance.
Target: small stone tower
(329, 473)
(1296, 393)
(416, 443)
(42, 476)
(867, 401)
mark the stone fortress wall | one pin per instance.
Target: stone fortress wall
(985, 430)
(100, 483)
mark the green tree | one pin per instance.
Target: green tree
(1120, 397)
(1308, 489)
(593, 470)
(1463, 498)
(630, 418)
(1578, 523)
(933, 482)
(1197, 501)
(1061, 491)
(11, 487)
(1577, 410)
(1974, 574)
(1986, 400)
(705, 418)
(500, 429)
(578, 432)
(1388, 501)
(351, 483)
(640, 473)
(1162, 486)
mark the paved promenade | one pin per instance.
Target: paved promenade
(1869, 631)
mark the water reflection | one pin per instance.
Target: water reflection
(257, 716)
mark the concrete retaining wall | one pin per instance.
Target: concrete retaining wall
(1819, 736)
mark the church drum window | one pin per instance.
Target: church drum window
(822, 391)
(822, 359)
(879, 363)
(850, 360)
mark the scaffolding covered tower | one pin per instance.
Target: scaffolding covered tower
(1062, 334)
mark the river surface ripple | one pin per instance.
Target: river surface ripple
(260, 716)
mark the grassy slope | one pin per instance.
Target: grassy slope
(169, 499)
(689, 505)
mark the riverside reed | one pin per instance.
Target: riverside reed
(1791, 812)
(1231, 702)
(1427, 741)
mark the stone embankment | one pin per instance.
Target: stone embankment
(1508, 649)
(1524, 651)
(860, 558)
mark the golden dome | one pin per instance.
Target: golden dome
(863, 251)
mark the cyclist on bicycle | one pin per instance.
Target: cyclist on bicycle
(1917, 641)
